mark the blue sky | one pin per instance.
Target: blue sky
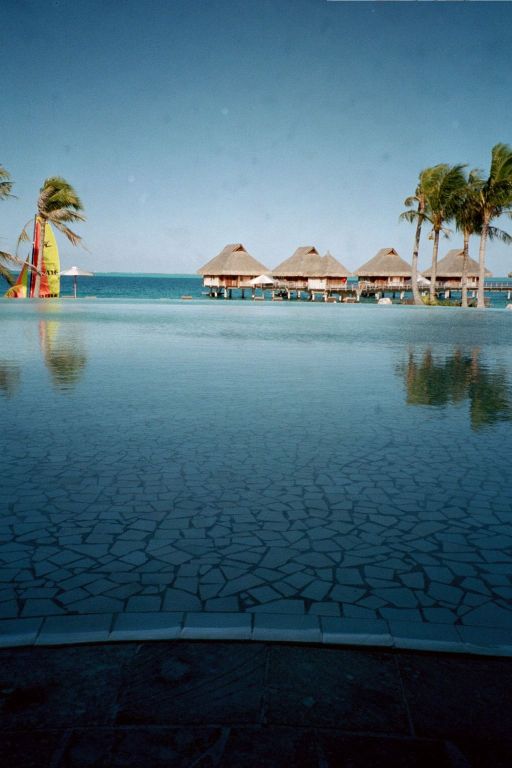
(188, 124)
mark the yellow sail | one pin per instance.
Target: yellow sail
(51, 265)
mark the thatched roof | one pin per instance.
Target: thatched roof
(451, 266)
(386, 263)
(332, 267)
(305, 262)
(233, 260)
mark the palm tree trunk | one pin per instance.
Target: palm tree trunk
(464, 277)
(433, 273)
(414, 276)
(481, 263)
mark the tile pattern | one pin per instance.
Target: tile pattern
(343, 504)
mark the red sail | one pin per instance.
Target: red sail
(37, 253)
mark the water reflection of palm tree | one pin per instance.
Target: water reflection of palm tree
(455, 379)
(489, 395)
(10, 378)
(64, 354)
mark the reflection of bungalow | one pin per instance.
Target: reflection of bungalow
(308, 271)
(449, 271)
(232, 268)
(387, 271)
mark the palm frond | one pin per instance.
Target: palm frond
(59, 204)
(23, 237)
(5, 256)
(496, 193)
(499, 234)
(73, 238)
(5, 273)
(409, 216)
(6, 184)
(57, 193)
(62, 214)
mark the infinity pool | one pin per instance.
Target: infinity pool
(298, 460)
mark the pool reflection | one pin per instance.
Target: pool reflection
(462, 376)
(10, 378)
(63, 353)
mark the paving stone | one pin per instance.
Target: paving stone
(239, 585)
(14, 632)
(70, 686)
(341, 749)
(194, 683)
(425, 636)
(445, 593)
(457, 697)
(292, 628)
(222, 604)
(494, 639)
(217, 626)
(335, 688)
(176, 600)
(324, 609)
(147, 626)
(59, 630)
(28, 749)
(114, 748)
(401, 614)
(280, 606)
(144, 603)
(269, 746)
(346, 594)
(41, 608)
(489, 615)
(356, 631)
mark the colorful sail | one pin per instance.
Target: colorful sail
(50, 277)
(35, 272)
(40, 276)
(20, 289)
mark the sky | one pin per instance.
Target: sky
(188, 124)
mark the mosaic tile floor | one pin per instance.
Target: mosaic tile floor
(327, 472)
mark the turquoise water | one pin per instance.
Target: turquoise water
(227, 456)
(119, 286)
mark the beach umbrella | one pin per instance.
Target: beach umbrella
(75, 272)
(262, 280)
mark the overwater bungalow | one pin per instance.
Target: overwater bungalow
(387, 272)
(307, 271)
(232, 268)
(449, 272)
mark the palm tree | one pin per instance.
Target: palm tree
(6, 186)
(495, 199)
(419, 216)
(58, 204)
(443, 189)
(468, 220)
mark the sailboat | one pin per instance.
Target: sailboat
(40, 274)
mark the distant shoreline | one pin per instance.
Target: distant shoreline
(148, 274)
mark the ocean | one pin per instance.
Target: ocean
(172, 287)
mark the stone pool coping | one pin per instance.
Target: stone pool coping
(378, 633)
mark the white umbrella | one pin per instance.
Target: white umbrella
(423, 280)
(75, 272)
(262, 280)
